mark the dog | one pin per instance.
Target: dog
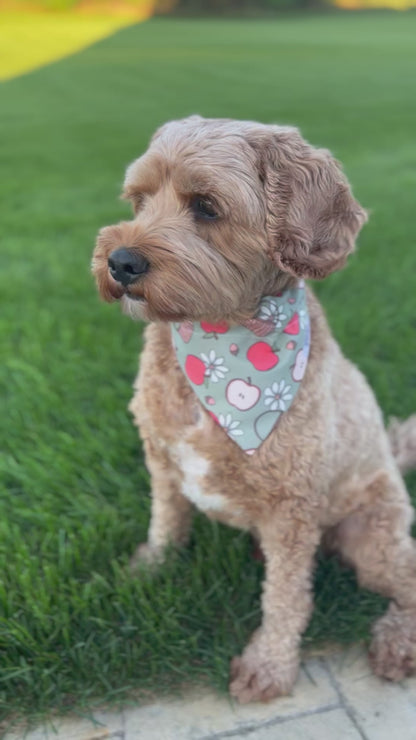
(230, 218)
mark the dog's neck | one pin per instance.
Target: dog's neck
(277, 283)
(246, 375)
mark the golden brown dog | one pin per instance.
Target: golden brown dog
(226, 212)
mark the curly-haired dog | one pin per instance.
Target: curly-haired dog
(229, 218)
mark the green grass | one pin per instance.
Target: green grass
(74, 499)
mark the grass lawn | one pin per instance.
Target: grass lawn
(74, 494)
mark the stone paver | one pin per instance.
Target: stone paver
(383, 710)
(335, 698)
(332, 725)
(209, 714)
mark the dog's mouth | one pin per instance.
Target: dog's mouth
(134, 306)
(136, 290)
(119, 291)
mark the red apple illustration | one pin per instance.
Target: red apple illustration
(195, 369)
(241, 394)
(262, 356)
(293, 325)
(291, 344)
(220, 328)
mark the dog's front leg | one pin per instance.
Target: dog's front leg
(171, 512)
(268, 666)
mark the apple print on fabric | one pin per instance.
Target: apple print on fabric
(213, 329)
(263, 425)
(299, 368)
(249, 373)
(242, 394)
(195, 369)
(262, 356)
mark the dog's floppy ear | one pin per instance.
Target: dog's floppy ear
(312, 217)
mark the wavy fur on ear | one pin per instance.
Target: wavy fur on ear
(312, 217)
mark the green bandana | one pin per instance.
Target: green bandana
(246, 376)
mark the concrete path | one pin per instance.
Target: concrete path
(336, 698)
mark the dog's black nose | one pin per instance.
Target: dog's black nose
(127, 265)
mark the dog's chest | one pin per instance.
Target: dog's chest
(195, 470)
(211, 468)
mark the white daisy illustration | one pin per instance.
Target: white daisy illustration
(277, 395)
(229, 425)
(271, 312)
(214, 368)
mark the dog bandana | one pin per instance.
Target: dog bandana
(246, 376)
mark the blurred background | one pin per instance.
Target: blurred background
(35, 31)
(84, 85)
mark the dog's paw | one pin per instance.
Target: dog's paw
(146, 557)
(256, 677)
(393, 648)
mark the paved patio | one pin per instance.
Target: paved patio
(336, 698)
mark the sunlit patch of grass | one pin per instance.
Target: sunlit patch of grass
(29, 39)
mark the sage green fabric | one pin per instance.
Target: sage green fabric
(246, 376)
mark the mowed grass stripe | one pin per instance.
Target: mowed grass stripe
(74, 499)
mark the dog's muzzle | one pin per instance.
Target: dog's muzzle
(126, 266)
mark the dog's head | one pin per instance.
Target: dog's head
(224, 213)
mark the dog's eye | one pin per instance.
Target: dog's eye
(204, 208)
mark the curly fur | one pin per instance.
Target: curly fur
(328, 469)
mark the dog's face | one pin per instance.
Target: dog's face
(224, 213)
